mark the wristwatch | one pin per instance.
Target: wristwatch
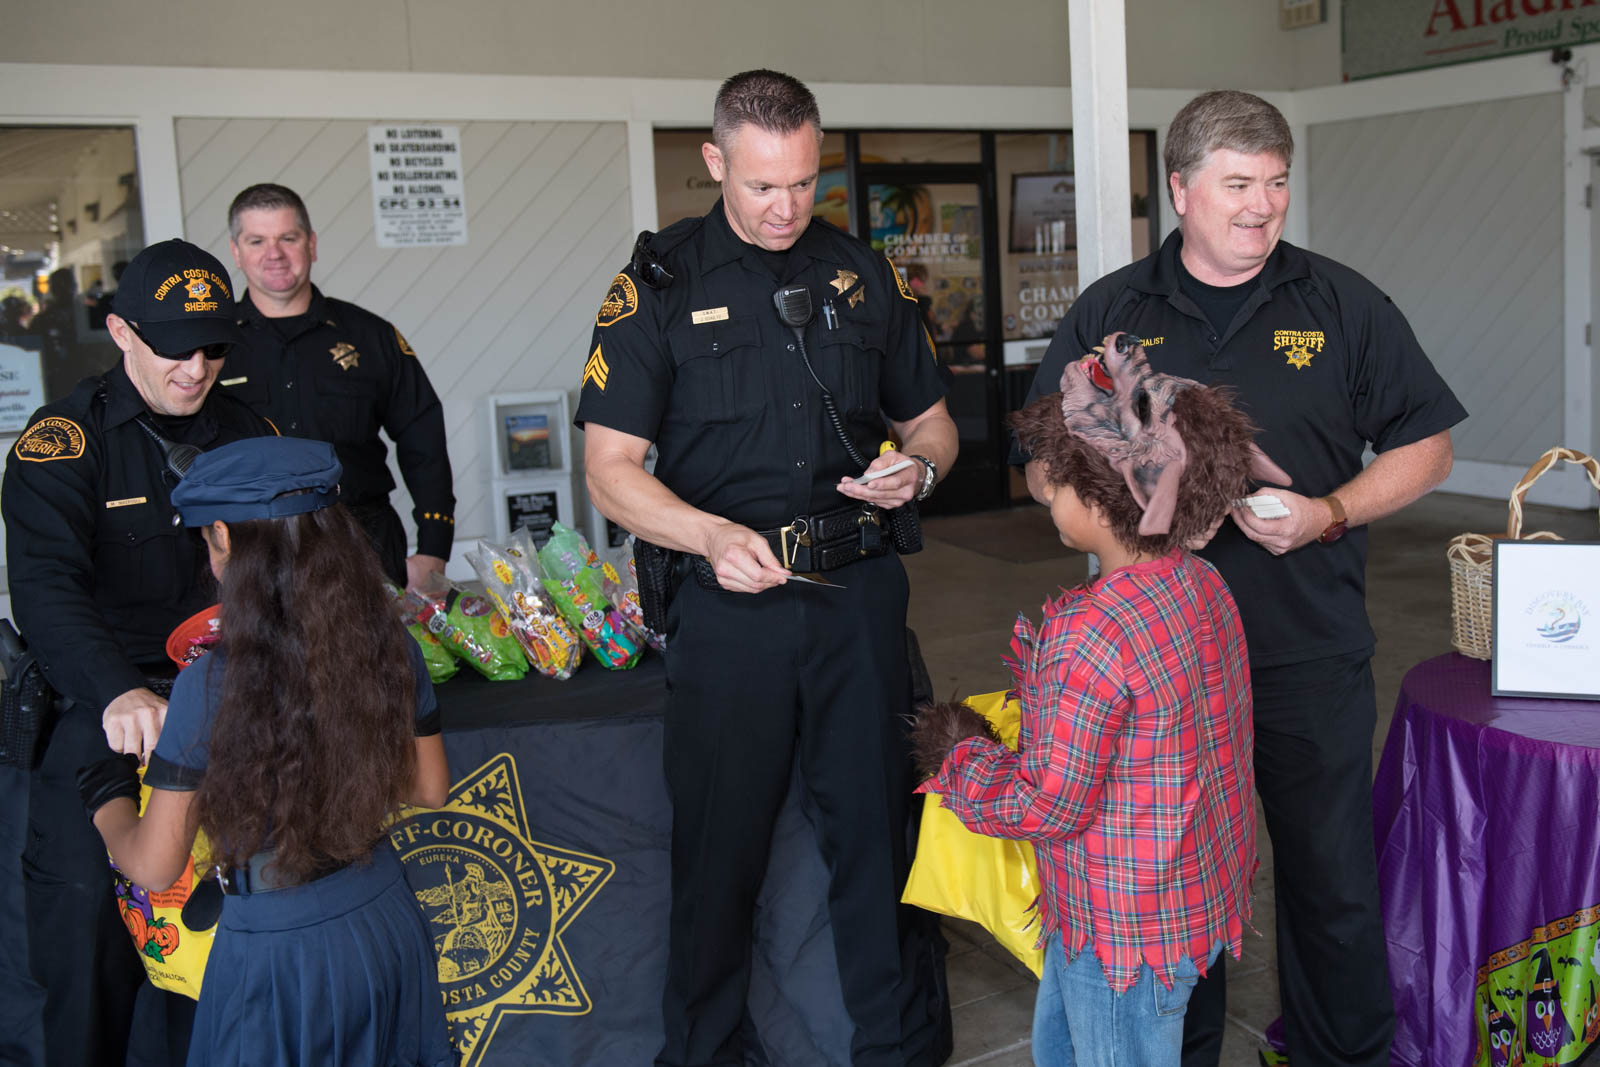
(1337, 527)
(930, 477)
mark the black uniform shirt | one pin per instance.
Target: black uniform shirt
(1324, 364)
(705, 369)
(101, 568)
(343, 376)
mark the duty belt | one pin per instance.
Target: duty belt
(829, 540)
(810, 544)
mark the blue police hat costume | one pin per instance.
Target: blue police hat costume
(248, 480)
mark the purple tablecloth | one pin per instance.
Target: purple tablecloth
(1486, 814)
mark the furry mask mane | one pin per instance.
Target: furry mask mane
(1115, 403)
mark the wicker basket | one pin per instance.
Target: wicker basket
(1472, 560)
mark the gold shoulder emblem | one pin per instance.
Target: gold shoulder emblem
(595, 370)
(50, 438)
(404, 345)
(900, 280)
(622, 300)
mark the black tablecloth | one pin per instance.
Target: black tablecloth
(545, 881)
(469, 701)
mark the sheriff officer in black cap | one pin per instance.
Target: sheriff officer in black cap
(101, 571)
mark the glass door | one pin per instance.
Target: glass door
(935, 223)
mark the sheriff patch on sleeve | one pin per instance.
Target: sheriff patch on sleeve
(900, 280)
(51, 438)
(404, 346)
(622, 300)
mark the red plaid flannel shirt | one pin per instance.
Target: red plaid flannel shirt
(1133, 777)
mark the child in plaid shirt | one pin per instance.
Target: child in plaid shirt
(1133, 776)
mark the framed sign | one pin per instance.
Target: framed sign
(1044, 213)
(535, 503)
(1547, 619)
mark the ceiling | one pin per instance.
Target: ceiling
(35, 163)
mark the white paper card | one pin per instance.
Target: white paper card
(1547, 619)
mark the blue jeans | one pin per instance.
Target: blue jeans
(1079, 1022)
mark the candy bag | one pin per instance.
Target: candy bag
(575, 586)
(442, 666)
(173, 929)
(511, 579)
(620, 584)
(467, 626)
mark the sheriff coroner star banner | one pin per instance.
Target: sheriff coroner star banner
(544, 884)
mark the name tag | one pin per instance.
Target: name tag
(124, 503)
(709, 315)
(233, 381)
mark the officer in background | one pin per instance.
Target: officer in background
(101, 571)
(689, 353)
(324, 369)
(1325, 364)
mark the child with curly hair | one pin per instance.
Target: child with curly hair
(1133, 772)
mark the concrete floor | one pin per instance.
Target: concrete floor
(978, 571)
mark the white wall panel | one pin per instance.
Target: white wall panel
(1456, 213)
(885, 42)
(548, 224)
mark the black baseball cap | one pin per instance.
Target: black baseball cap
(179, 297)
(258, 478)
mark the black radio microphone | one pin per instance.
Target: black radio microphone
(794, 306)
(794, 311)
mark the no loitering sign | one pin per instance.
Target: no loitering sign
(418, 186)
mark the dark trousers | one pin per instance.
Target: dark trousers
(21, 999)
(79, 951)
(388, 535)
(756, 682)
(1313, 734)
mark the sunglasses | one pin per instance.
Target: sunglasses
(215, 350)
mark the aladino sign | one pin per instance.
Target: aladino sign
(1392, 36)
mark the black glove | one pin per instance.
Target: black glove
(938, 728)
(113, 777)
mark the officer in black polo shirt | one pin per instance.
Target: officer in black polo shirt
(690, 353)
(329, 370)
(101, 571)
(1326, 365)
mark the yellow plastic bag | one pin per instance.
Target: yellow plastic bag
(173, 953)
(991, 881)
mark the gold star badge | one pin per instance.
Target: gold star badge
(344, 353)
(844, 281)
(1299, 357)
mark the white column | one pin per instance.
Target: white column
(1098, 35)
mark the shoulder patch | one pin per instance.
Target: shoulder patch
(404, 345)
(900, 280)
(622, 300)
(52, 437)
(596, 370)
